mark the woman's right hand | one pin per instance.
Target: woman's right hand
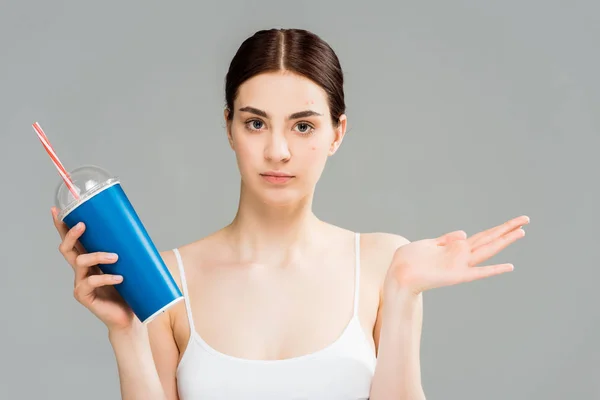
(93, 289)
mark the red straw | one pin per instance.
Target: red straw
(61, 169)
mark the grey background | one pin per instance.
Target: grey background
(462, 115)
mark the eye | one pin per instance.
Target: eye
(254, 124)
(304, 128)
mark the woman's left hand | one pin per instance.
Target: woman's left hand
(452, 258)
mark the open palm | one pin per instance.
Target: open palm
(453, 258)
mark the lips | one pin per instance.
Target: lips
(277, 174)
(276, 177)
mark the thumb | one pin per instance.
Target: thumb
(449, 237)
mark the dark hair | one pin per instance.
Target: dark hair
(294, 50)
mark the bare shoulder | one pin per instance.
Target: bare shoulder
(382, 240)
(192, 249)
(170, 261)
(377, 251)
(171, 325)
(169, 257)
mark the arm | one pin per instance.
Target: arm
(398, 371)
(146, 360)
(138, 375)
(397, 337)
(147, 356)
(447, 260)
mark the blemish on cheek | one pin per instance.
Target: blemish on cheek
(313, 147)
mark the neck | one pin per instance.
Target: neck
(272, 235)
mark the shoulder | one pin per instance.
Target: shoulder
(382, 240)
(377, 251)
(191, 254)
(170, 261)
(174, 317)
(187, 255)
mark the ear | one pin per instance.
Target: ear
(226, 113)
(340, 132)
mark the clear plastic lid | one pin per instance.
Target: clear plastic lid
(88, 180)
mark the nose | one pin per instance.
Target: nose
(276, 148)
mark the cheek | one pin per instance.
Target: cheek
(316, 151)
(322, 143)
(244, 149)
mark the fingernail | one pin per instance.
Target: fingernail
(79, 226)
(111, 256)
(117, 278)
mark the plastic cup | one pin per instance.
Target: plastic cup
(112, 225)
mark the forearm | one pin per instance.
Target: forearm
(398, 371)
(137, 372)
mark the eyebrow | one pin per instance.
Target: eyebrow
(300, 114)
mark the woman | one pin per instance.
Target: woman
(279, 304)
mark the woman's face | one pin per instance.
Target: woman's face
(282, 135)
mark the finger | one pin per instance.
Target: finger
(87, 286)
(488, 271)
(67, 246)
(488, 235)
(61, 227)
(488, 250)
(84, 262)
(450, 237)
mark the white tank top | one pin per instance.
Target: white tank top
(342, 370)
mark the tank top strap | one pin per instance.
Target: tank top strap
(356, 272)
(186, 294)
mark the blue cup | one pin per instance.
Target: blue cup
(112, 225)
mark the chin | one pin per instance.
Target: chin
(283, 195)
(281, 198)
